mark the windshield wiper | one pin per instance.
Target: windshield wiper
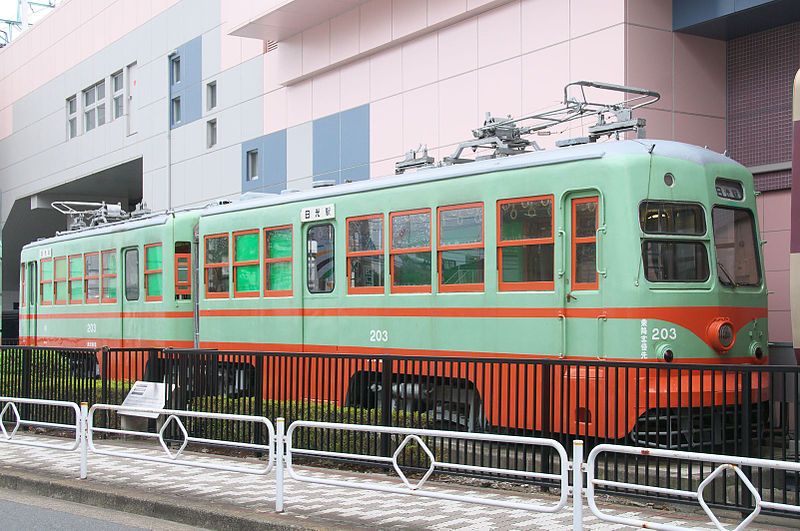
(730, 278)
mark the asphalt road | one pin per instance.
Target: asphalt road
(20, 512)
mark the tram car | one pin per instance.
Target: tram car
(631, 250)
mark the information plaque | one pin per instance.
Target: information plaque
(146, 395)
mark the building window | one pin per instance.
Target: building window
(211, 133)
(216, 266)
(75, 282)
(278, 261)
(46, 282)
(365, 254)
(525, 245)
(94, 106)
(153, 272)
(461, 263)
(117, 89)
(252, 165)
(175, 70)
(72, 117)
(132, 274)
(246, 281)
(60, 280)
(410, 251)
(211, 95)
(321, 259)
(91, 278)
(109, 276)
(176, 110)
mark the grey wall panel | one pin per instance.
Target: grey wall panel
(299, 156)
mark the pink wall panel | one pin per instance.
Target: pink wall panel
(500, 89)
(421, 117)
(780, 325)
(345, 35)
(385, 131)
(551, 20)
(544, 74)
(386, 75)
(649, 13)
(777, 210)
(458, 48)
(599, 56)
(439, 10)
(648, 62)
(458, 108)
(275, 108)
(376, 24)
(778, 285)
(325, 94)
(354, 84)
(659, 123)
(298, 103)
(499, 34)
(587, 16)
(700, 130)
(776, 250)
(408, 16)
(699, 75)
(420, 61)
(316, 47)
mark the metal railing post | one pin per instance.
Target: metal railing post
(577, 485)
(83, 422)
(386, 403)
(279, 444)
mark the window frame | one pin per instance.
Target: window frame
(184, 289)
(211, 133)
(43, 282)
(244, 263)
(410, 250)
(249, 175)
(124, 261)
(211, 95)
(364, 290)
(308, 228)
(650, 235)
(676, 284)
(543, 285)
(87, 278)
(757, 250)
(71, 279)
(117, 95)
(175, 69)
(575, 240)
(175, 113)
(72, 117)
(440, 248)
(216, 265)
(57, 279)
(267, 261)
(104, 276)
(148, 272)
(95, 106)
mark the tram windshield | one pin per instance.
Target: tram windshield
(735, 244)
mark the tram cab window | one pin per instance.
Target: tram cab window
(321, 259)
(735, 244)
(675, 261)
(660, 217)
(525, 243)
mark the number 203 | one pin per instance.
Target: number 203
(379, 336)
(663, 333)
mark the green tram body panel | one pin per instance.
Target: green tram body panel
(625, 317)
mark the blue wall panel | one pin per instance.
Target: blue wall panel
(189, 88)
(358, 173)
(326, 144)
(271, 163)
(355, 137)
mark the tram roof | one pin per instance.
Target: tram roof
(664, 148)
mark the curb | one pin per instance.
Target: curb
(162, 506)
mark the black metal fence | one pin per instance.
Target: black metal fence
(738, 410)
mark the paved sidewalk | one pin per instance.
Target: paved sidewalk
(217, 499)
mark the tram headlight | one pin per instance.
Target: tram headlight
(665, 353)
(721, 334)
(757, 350)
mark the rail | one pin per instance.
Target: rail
(10, 437)
(723, 462)
(417, 436)
(174, 417)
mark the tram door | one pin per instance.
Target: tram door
(319, 241)
(28, 328)
(583, 313)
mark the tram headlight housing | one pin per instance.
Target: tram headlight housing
(757, 350)
(666, 353)
(721, 334)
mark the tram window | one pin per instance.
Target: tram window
(92, 277)
(675, 261)
(131, 274)
(246, 274)
(109, 276)
(735, 245)
(525, 244)
(153, 272)
(75, 282)
(278, 261)
(217, 262)
(46, 282)
(659, 217)
(183, 271)
(584, 243)
(461, 261)
(410, 251)
(365, 254)
(60, 280)
(321, 259)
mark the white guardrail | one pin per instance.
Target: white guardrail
(281, 450)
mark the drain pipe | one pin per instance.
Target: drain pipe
(172, 54)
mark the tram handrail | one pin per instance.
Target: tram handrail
(725, 463)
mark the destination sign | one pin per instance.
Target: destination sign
(729, 189)
(318, 213)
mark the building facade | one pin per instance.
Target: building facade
(183, 102)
